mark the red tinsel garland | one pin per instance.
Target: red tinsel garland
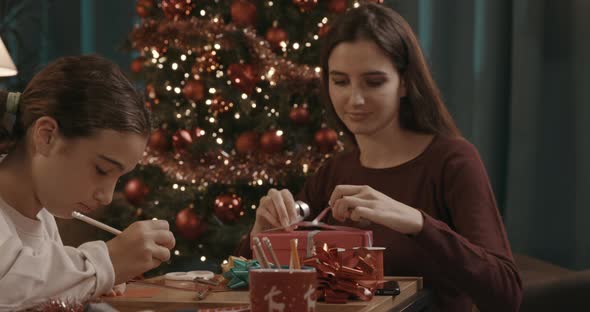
(190, 34)
(224, 168)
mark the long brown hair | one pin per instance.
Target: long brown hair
(83, 94)
(422, 109)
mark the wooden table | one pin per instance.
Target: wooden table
(172, 300)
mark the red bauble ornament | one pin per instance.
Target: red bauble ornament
(144, 8)
(181, 140)
(188, 224)
(219, 105)
(150, 91)
(306, 5)
(137, 64)
(299, 115)
(135, 191)
(247, 142)
(243, 76)
(142, 11)
(271, 142)
(228, 208)
(243, 13)
(326, 140)
(276, 35)
(175, 9)
(197, 133)
(323, 30)
(337, 6)
(159, 141)
(194, 90)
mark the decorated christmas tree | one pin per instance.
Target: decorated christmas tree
(234, 90)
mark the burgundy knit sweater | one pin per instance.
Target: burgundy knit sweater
(462, 251)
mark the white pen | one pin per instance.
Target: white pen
(96, 223)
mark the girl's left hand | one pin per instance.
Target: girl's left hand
(117, 290)
(361, 201)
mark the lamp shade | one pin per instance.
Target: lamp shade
(7, 67)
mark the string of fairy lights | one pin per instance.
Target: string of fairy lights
(275, 69)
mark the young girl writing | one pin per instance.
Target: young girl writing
(77, 127)
(419, 185)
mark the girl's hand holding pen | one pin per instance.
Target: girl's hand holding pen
(143, 246)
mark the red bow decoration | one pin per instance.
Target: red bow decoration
(337, 282)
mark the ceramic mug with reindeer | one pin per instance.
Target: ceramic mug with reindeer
(282, 290)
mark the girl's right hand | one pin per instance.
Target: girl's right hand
(276, 209)
(141, 247)
(117, 290)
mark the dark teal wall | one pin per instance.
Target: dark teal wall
(39, 31)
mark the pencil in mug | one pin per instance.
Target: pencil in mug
(294, 263)
(96, 223)
(263, 260)
(257, 256)
(266, 241)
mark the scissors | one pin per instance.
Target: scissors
(189, 276)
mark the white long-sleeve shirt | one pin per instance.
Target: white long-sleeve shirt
(35, 266)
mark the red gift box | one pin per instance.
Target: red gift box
(333, 236)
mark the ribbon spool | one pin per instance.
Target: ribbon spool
(302, 209)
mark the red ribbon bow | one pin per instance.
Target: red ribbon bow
(337, 282)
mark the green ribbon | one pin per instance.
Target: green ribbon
(238, 275)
